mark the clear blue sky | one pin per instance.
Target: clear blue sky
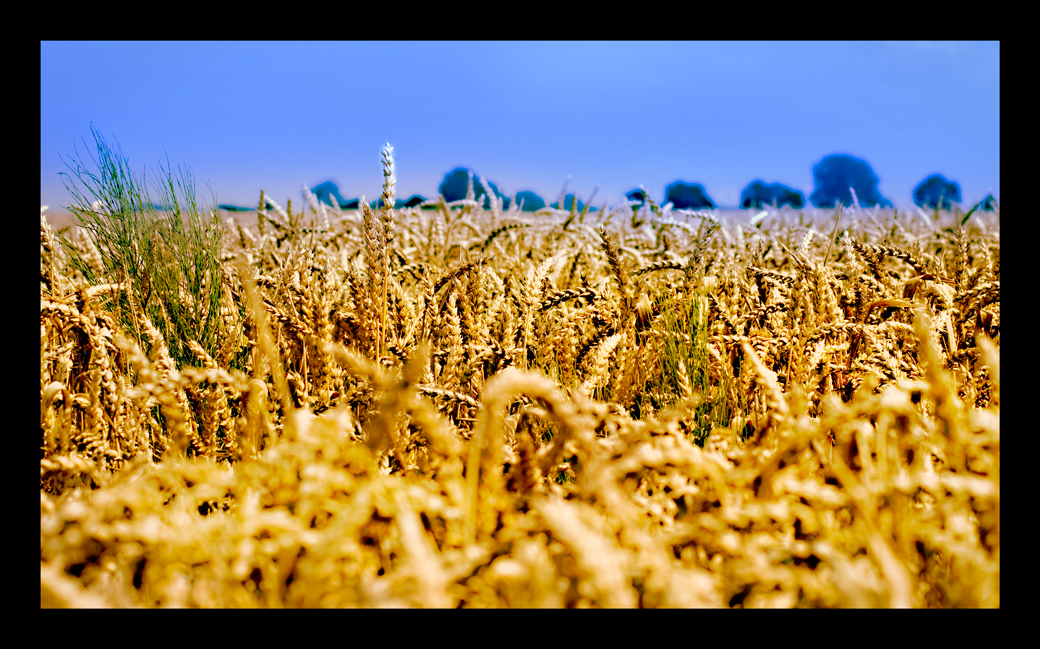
(246, 116)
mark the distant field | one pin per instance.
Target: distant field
(60, 219)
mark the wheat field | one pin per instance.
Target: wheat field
(631, 406)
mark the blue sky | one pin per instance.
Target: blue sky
(528, 115)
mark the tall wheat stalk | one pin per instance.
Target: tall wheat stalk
(388, 229)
